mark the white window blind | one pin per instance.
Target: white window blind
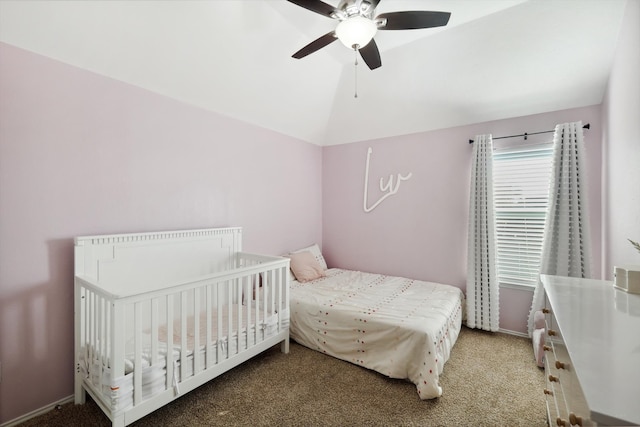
(521, 190)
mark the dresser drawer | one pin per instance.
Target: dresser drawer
(566, 405)
(556, 403)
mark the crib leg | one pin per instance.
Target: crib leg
(284, 346)
(118, 421)
(80, 393)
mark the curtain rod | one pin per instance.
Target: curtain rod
(587, 126)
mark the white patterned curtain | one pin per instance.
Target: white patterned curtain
(482, 278)
(566, 247)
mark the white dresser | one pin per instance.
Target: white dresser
(592, 354)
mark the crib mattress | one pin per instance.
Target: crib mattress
(118, 393)
(399, 327)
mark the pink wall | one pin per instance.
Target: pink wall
(421, 231)
(621, 136)
(83, 154)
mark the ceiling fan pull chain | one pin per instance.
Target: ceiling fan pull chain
(355, 67)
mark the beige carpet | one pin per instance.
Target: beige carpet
(490, 380)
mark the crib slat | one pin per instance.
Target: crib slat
(265, 302)
(229, 318)
(272, 285)
(238, 297)
(79, 341)
(137, 366)
(116, 340)
(97, 325)
(170, 360)
(84, 331)
(92, 322)
(102, 339)
(196, 331)
(247, 288)
(279, 296)
(261, 309)
(209, 349)
(256, 308)
(155, 322)
(183, 336)
(219, 346)
(90, 319)
(109, 324)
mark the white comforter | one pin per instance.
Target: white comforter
(399, 327)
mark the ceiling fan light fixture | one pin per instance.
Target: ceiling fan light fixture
(356, 32)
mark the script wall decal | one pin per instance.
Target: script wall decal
(390, 187)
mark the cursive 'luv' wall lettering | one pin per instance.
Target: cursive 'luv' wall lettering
(389, 187)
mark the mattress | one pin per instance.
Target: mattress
(118, 392)
(399, 327)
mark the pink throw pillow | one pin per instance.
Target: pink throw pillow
(305, 266)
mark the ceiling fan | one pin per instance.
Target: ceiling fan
(358, 25)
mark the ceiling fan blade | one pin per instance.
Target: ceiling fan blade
(317, 44)
(316, 6)
(411, 20)
(371, 55)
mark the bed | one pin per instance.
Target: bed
(159, 314)
(399, 327)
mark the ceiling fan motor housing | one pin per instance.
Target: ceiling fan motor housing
(351, 8)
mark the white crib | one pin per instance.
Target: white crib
(159, 314)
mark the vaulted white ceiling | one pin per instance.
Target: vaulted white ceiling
(495, 59)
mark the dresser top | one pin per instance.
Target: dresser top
(600, 326)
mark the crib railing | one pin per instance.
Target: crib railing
(188, 332)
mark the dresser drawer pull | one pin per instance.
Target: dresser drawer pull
(554, 379)
(575, 420)
(547, 391)
(552, 333)
(546, 311)
(546, 348)
(561, 365)
(560, 422)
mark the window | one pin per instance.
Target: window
(521, 189)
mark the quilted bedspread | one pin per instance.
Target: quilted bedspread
(399, 327)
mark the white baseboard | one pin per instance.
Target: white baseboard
(37, 412)
(516, 333)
